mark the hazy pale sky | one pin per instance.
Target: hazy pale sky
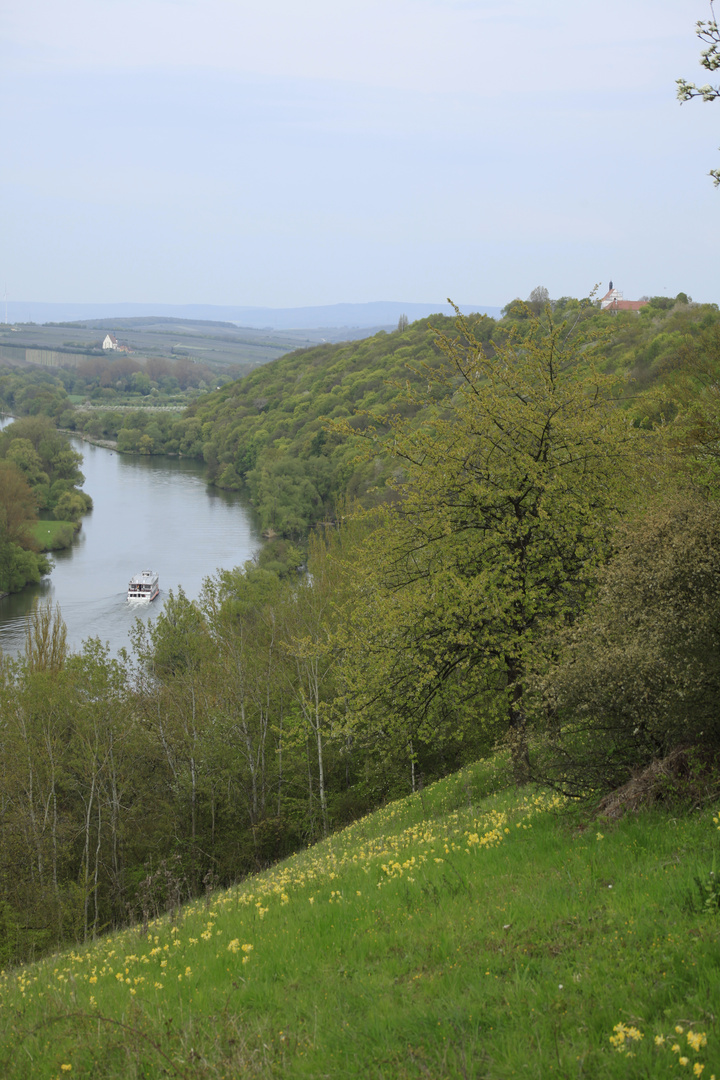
(281, 153)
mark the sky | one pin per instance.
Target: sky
(278, 153)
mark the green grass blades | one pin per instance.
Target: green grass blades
(460, 932)
(54, 535)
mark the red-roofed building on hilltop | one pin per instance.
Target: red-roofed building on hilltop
(613, 302)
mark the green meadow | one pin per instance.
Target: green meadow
(53, 535)
(473, 929)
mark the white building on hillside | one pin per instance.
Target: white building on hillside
(613, 301)
(110, 342)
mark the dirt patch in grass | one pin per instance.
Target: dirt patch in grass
(686, 776)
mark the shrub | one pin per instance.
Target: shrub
(639, 674)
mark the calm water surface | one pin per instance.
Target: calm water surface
(149, 514)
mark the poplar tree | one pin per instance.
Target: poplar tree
(503, 508)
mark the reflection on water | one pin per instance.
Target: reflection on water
(150, 513)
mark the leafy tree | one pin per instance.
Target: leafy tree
(48, 462)
(516, 309)
(17, 504)
(709, 34)
(19, 561)
(24, 455)
(20, 567)
(174, 652)
(71, 506)
(141, 382)
(538, 299)
(102, 778)
(505, 502)
(241, 607)
(310, 613)
(661, 303)
(45, 640)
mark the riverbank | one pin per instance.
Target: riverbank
(107, 444)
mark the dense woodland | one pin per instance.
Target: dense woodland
(518, 544)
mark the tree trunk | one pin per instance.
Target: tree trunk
(517, 724)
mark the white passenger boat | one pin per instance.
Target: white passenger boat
(144, 586)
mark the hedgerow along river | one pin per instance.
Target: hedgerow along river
(150, 513)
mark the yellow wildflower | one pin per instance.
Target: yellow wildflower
(623, 1032)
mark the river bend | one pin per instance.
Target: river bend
(149, 513)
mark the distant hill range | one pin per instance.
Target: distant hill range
(377, 314)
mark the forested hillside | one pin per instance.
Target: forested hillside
(541, 574)
(270, 432)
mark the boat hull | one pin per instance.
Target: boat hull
(145, 599)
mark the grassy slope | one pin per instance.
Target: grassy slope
(451, 934)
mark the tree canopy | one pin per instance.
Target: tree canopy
(20, 562)
(506, 497)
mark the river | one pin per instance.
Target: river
(150, 513)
